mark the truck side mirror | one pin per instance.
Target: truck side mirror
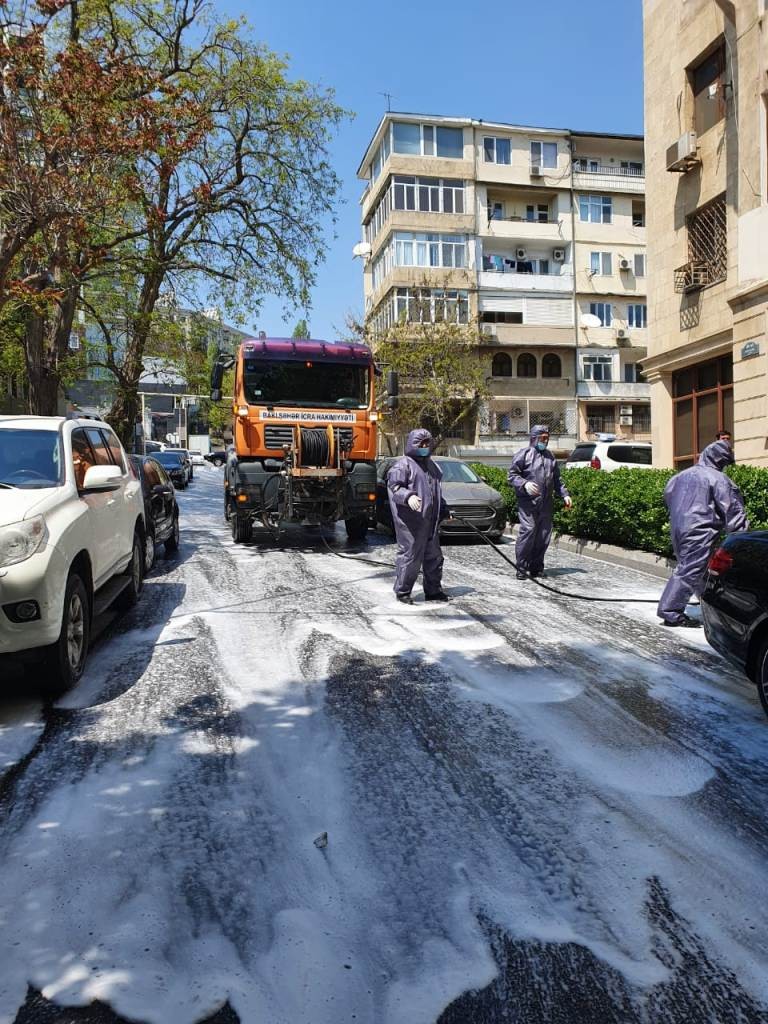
(393, 390)
(215, 394)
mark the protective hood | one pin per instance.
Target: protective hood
(717, 455)
(420, 438)
(537, 431)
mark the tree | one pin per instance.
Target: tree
(436, 356)
(301, 330)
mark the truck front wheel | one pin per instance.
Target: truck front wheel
(241, 529)
(357, 527)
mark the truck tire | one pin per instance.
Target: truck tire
(241, 529)
(65, 660)
(357, 527)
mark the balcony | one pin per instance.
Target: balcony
(692, 276)
(498, 280)
(617, 390)
(610, 178)
(522, 229)
(528, 335)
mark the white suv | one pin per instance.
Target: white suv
(610, 454)
(71, 537)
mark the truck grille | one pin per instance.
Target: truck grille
(474, 513)
(276, 437)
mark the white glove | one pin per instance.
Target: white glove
(532, 488)
(568, 501)
(414, 502)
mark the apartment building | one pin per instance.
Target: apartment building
(538, 236)
(706, 101)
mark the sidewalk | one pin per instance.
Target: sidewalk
(645, 561)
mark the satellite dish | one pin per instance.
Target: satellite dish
(590, 320)
(363, 249)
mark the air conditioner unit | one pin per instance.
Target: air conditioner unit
(622, 334)
(625, 410)
(536, 170)
(625, 264)
(625, 421)
(488, 329)
(682, 155)
(558, 255)
(520, 254)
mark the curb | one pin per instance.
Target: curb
(644, 561)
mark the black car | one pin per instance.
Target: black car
(734, 605)
(217, 458)
(173, 464)
(161, 512)
(465, 494)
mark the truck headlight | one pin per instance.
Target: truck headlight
(20, 541)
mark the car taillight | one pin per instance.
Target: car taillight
(595, 463)
(721, 561)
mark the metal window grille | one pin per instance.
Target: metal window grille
(707, 248)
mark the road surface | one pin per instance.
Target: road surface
(278, 796)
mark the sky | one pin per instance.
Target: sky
(563, 64)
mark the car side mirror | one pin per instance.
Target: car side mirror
(100, 479)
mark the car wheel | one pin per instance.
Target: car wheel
(242, 529)
(761, 675)
(172, 544)
(496, 538)
(149, 552)
(218, 462)
(356, 528)
(135, 572)
(65, 660)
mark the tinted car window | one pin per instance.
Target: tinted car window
(168, 459)
(114, 448)
(581, 453)
(161, 474)
(82, 456)
(151, 475)
(101, 453)
(630, 454)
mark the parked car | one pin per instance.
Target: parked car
(186, 458)
(173, 464)
(71, 538)
(465, 494)
(734, 605)
(161, 510)
(198, 459)
(217, 458)
(610, 454)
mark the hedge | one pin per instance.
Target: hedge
(626, 507)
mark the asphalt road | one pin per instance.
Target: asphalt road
(278, 796)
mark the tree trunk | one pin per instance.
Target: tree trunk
(41, 375)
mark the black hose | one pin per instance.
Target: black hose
(315, 449)
(500, 553)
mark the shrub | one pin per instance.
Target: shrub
(627, 507)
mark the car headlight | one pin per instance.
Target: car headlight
(20, 541)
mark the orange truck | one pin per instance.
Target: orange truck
(305, 435)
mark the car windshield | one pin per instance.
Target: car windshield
(29, 458)
(316, 384)
(458, 473)
(168, 459)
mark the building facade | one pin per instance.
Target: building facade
(538, 236)
(706, 102)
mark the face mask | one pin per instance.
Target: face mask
(541, 446)
(423, 452)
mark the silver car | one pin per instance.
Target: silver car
(465, 494)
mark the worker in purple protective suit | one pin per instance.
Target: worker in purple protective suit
(417, 504)
(535, 475)
(702, 502)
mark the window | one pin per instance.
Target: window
(707, 240)
(495, 211)
(82, 457)
(587, 165)
(641, 419)
(114, 448)
(631, 454)
(501, 318)
(631, 167)
(631, 373)
(582, 452)
(604, 312)
(450, 143)
(429, 305)
(526, 365)
(505, 265)
(412, 249)
(597, 367)
(708, 86)
(152, 474)
(544, 154)
(638, 214)
(427, 140)
(503, 422)
(551, 366)
(703, 404)
(637, 315)
(406, 138)
(596, 209)
(601, 419)
(427, 195)
(496, 151)
(601, 263)
(502, 365)
(538, 213)
(101, 452)
(639, 264)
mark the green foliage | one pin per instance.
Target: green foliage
(627, 507)
(301, 330)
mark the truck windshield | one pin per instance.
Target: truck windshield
(30, 459)
(321, 385)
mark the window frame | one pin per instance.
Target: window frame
(493, 158)
(594, 203)
(541, 160)
(604, 259)
(606, 315)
